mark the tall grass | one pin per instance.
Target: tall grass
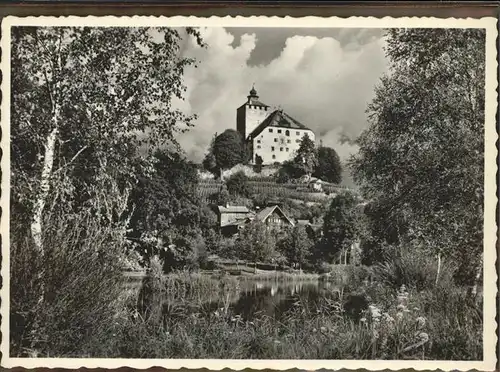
(63, 300)
(405, 325)
(412, 268)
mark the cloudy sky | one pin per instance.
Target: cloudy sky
(322, 77)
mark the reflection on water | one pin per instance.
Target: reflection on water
(254, 299)
(275, 298)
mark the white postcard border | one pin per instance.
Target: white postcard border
(490, 227)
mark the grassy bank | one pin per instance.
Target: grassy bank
(432, 324)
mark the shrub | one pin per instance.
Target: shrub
(412, 268)
(62, 301)
(237, 184)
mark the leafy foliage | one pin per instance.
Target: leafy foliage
(421, 160)
(237, 184)
(78, 277)
(83, 101)
(103, 88)
(329, 167)
(229, 149)
(296, 246)
(258, 163)
(256, 243)
(340, 227)
(306, 159)
(168, 210)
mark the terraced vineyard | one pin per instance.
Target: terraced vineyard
(269, 188)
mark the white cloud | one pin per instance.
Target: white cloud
(318, 81)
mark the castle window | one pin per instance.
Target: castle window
(279, 130)
(281, 148)
(275, 140)
(288, 141)
(297, 140)
(272, 148)
(274, 156)
(287, 133)
(258, 141)
(286, 149)
(298, 133)
(270, 130)
(258, 146)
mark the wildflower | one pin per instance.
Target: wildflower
(423, 337)
(363, 320)
(374, 312)
(401, 307)
(399, 316)
(387, 318)
(277, 342)
(315, 330)
(323, 329)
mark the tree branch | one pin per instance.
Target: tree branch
(72, 159)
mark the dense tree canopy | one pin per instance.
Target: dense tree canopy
(421, 160)
(229, 149)
(306, 158)
(340, 226)
(237, 184)
(167, 209)
(83, 101)
(296, 246)
(329, 167)
(256, 243)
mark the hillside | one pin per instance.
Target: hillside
(268, 187)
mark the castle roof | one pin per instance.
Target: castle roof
(253, 99)
(278, 119)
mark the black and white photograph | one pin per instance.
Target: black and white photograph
(268, 191)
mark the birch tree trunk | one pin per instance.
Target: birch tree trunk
(48, 163)
(438, 268)
(478, 276)
(48, 160)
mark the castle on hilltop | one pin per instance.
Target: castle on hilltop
(272, 135)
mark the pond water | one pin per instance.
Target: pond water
(273, 299)
(255, 299)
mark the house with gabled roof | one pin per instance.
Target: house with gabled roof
(272, 135)
(229, 214)
(232, 219)
(273, 216)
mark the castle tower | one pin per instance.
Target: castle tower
(251, 114)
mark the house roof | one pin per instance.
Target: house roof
(233, 209)
(278, 119)
(253, 99)
(266, 212)
(255, 102)
(236, 223)
(303, 222)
